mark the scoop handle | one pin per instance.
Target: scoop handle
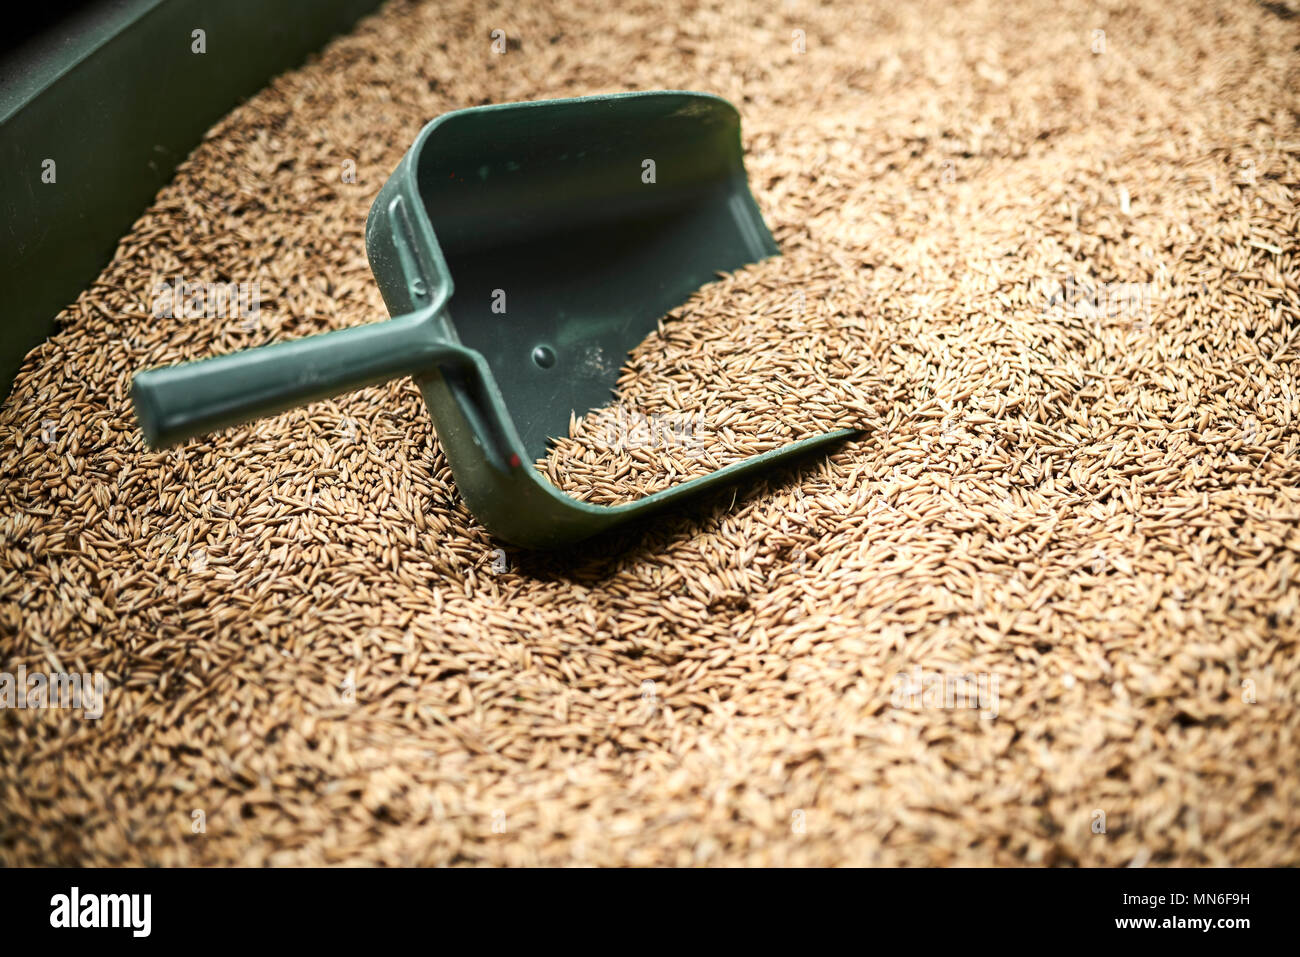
(174, 403)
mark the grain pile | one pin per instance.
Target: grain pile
(1044, 253)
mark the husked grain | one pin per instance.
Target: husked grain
(1044, 610)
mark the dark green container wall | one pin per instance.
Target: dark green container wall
(114, 95)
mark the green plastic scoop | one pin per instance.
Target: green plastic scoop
(565, 229)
